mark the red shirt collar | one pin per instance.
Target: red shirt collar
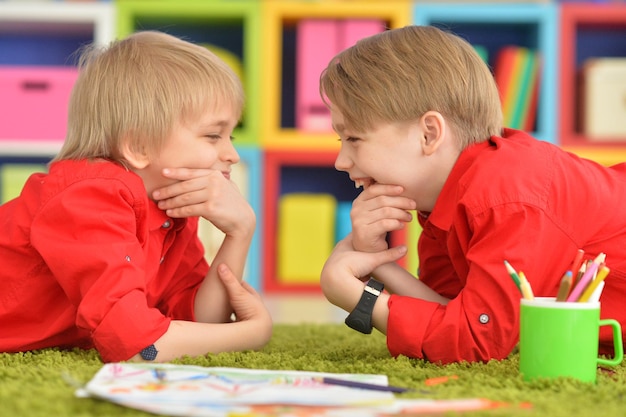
(443, 211)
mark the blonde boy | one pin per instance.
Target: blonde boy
(419, 119)
(103, 250)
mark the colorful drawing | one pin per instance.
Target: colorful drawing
(185, 390)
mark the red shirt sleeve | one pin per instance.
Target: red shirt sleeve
(436, 260)
(481, 321)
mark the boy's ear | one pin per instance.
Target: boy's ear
(136, 159)
(433, 127)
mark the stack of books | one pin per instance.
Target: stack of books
(516, 71)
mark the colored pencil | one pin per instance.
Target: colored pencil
(362, 385)
(578, 261)
(513, 274)
(564, 288)
(527, 291)
(586, 278)
(588, 292)
(579, 275)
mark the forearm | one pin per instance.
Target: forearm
(196, 339)
(345, 293)
(398, 280)
(211, 303)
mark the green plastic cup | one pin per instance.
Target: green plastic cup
(560, 339)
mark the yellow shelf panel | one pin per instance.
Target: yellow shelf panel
(293, 139)
(604, 155)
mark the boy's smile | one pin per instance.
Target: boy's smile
(363, 182)
(398, 153)
(386, 154)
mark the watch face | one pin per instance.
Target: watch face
(377, 285)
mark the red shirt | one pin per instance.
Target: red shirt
(518, 199)
(88, 260)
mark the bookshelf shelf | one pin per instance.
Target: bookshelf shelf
(47, 34)
(42, 36)
(280, 19)
(586, 31)
(50, 30)
(293, 171)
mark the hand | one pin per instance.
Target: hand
(378, 210)
(206, 193)
(245, 301)
(345, 266)
(252, 329)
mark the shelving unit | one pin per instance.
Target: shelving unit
(44, 35)
(260, 38)
(48, 34)
(587, 31)
(51, 31)
(294, 171)
(280, 18)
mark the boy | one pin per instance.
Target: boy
(419, 119)
(103, 250)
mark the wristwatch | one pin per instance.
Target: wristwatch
(361, 317)
(149, 354)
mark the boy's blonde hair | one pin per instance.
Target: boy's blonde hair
(137, 89)
(400, 74)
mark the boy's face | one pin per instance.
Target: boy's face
(389, 153)
(202, 143)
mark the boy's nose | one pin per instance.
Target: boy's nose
(342, 162)
(230, 153)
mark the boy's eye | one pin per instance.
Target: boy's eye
(218, 137)
(349, 139)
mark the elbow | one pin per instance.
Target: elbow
(327, 285)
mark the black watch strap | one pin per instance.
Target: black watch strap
(361, 317)
(149, 354)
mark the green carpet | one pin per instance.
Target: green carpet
(32, 383)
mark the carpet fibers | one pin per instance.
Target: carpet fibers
(36, 383)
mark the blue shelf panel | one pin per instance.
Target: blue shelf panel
(253, 159)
